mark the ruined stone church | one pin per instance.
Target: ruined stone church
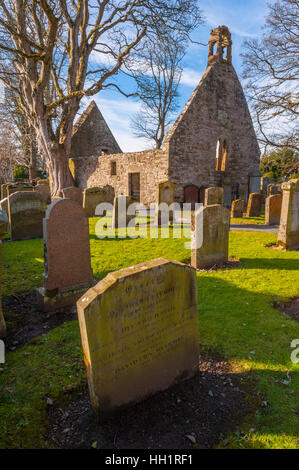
(212, 142)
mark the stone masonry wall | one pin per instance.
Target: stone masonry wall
(96, 171)
(217, 109)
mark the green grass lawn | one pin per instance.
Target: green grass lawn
(236, 320)
(248, 220)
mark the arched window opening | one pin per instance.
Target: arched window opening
(224, 52)
(221, 155)
(224, 156)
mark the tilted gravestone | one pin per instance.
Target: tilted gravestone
(92, 197)
(273, 209)
(209, 236)
(254, 206)
(139, 331)
(120, 216)
(76, 194)
(237, 209)
(165, 194)
(3, 230)
(213, 196)
(288, 236)
(26, 210)
(67, 272)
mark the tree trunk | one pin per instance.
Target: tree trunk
(59, 172)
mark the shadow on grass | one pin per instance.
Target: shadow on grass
(270, 263)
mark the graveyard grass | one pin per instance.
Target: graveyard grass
(237, 321)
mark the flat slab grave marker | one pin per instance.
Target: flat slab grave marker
(26, 211)
(139, 331)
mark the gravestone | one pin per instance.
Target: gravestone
(26, 210)
(3, 231)
(165, 194)
(254, 183)
(120, 217)
(73, 193)
(139, 330)
(243, 193)
(213, 196)
(274, 189)
(92, 197)
(288, 236)
(209, 236)
(42, 187)
(12, 188)
(4, 190)
(254, 206)
(68, 270)
(4, 205)
(237, 209)
(273, 209)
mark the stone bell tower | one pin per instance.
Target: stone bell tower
(220, 45)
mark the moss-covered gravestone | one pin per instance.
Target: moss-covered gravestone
(3, 231)
(139, 330)
(26, 210)
(92, 197)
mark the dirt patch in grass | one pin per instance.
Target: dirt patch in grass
(291, 309)
(197, 413)
(230, 264)
(25, 321)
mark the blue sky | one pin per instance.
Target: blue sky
(244, 18)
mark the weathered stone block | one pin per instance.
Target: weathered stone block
(139, 330)
(120, 216)
(165, 194)
(274, 189)
(210, 224)
(273, 209)
(92, 197)
(44, 190)
(26, 210)
(254, 206)
(288, 236)
(214, 196)
(237, 209)
(73, 193)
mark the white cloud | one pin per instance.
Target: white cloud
(117, 114)
(190, 77)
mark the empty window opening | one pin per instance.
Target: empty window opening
(221, 155)
(113, 168)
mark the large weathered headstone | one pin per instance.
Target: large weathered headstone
(92, 197)
(68, 270)
(213, 196)
(26, 210)
(210, 224)
(273, 209)
(139, 330)
(165, 194)
(73, 193)
(120, 216)
(254, 206)
(3, 231)
(237, 209)
(288, 236)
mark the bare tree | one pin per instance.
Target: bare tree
(74, 48)
(157, 70)
(271, 67)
